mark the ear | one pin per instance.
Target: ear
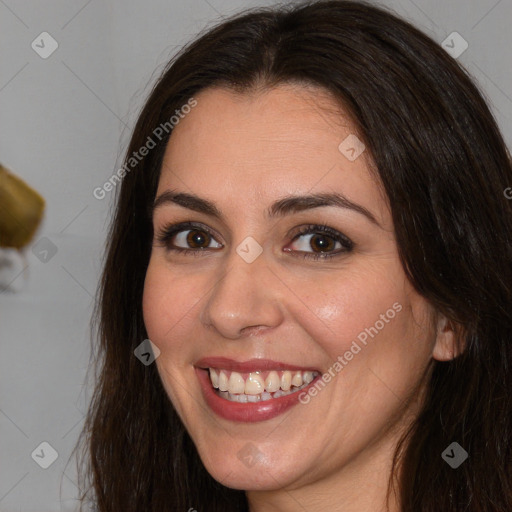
(447, 345)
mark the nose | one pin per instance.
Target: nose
(245, 299)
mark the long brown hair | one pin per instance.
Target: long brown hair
(443, 165)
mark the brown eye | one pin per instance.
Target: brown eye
(318, 242)
(187, 237)
(322, 243)
(197, 239)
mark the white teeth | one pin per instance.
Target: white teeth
(255, 388)
(297, 380)
(236, 383)
(214, 376)
(286, 381)
(308, 377)
(243, 398)
(272, 382)
(254, 384)
(223, 381)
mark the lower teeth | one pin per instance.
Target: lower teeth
(243, 398)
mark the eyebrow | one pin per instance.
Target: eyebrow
(284, 206)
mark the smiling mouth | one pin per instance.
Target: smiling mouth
(258, 386)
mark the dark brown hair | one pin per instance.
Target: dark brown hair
(444, 166)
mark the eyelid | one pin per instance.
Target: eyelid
(324, 229)
(169, 230)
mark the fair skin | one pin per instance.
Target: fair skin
(243, 152)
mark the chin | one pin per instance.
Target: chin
(248, 479)
(246, 469)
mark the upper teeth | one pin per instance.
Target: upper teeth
(256, 382)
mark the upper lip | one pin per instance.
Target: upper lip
(251, 365)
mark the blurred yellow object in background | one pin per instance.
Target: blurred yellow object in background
(21, 211)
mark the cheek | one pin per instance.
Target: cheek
(166, 313)
(162, 306)
(341, 307)
(153, 304)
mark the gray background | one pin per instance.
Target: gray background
(65, 122)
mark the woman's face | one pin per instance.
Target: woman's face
(269, 303)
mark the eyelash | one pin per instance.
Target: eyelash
(167, 233)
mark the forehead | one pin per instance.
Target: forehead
(266, 144)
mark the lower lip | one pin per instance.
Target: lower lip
(247, 412)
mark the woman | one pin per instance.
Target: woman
(312, 232)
